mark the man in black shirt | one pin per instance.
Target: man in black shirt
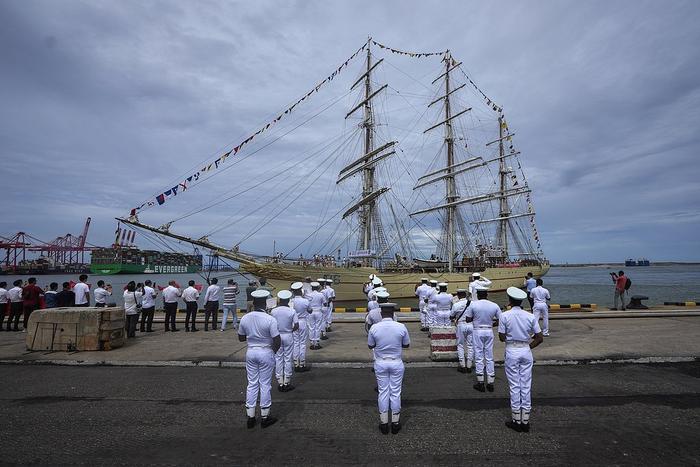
(65, 297)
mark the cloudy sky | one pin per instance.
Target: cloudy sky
(106, 104)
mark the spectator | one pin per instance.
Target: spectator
(148, 307)
(252, 286)
(31, 295)
(170, 295)
(4, 301)
(132, 307)
(211, 304)
(82, 291)
(230, 294)
(620, 281)
(101, 293)
(15, 296)
(51, 295)
(65, 297)
(529, 284)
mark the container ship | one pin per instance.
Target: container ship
(121, 260)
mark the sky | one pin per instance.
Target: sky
(106, 104)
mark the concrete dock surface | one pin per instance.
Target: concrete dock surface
(572, 339)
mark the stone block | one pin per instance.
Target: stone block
(71, 329)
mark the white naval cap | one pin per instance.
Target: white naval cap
(315, 284)
(284, 294)
(376, 280)
(320, 279)
(329, 281)
(476, 274)
(296, 285)
(391, 306)
(433, 281)
(424, 279)
(462, 291)
(382, 294)
(371, 277)
(442, 284)
(260, 293)
(516, 293)
(481, 288)
(380, 289)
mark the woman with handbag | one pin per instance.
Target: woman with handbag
(132, 307)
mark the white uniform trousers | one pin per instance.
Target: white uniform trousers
(315, 321)
(422, 307)
(259, 364)
(518, 366)
(431, 309)
(389, 381)
(301, 338)
(329, 314)
(483, 350)
(465, 337)
(541, 309)
(283, 358)
(442, 318)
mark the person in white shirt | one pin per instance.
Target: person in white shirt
(190, 295)
(464, 332)
(482, 314)
(443, 306)
(431, 306)
(306, 287)
(515, 328)
(316, 302)
(477, 281)
(148, 306)
(287, 323)
(101, 293)
(529, 283)
(387, 339)
(422, 292)
(82, 292)
(376, 284)
(4, 303)
(301, 335)
(329, 292)
(170, 296)
(211, 304)
(374, 315)
(132, 306)
(324, 308)
(540, 307)
(259, 330)
(16, 305)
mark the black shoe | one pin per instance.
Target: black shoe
(469, 369)
(206, 329)
(187, 329)
(251, 422)
(288, 387)
(296, 369)
(149, 330)
(462, 369)
(324, 337)
(142, 330)
(167, 330)
(613, 309)
(376, 389)
(489, 387)
(280, 388)
(328, 329)
(195, 329)
(480, 387)
(395, 427)
(384, 428)
(514, 426)
(174, 330)
(304, 369)
(267, 421)
(525, 427)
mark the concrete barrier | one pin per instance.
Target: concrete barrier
(73, 329)
(443, 343)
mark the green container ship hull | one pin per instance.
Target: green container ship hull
(130, 260)
(142, 269)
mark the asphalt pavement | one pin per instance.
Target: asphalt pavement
(584, 414)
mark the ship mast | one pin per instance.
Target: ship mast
(367, 210)
(450, 192)
(504, 211)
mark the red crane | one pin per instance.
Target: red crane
(68, 249)
(15, 250)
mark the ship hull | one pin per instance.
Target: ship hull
(348, 282)
(116, 268)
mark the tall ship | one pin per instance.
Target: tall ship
(439, 201)
(131, 260)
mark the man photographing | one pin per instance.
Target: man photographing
(620, 281)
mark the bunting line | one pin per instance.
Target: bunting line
(214, 165)
(410, 54)
(489, 102)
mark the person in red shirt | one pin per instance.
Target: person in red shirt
(620, 281)
(31, 296)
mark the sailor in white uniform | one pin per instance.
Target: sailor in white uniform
(316, 302)
(306, 287)
(324, 309)
(368, 285)
(287, 323)
(431, 307)
(515, 328)
(443, 306)
(329, 292)
(374, 315)
(482, 313)
(374, 302)
(464, 332)
(388, 338)
(301, 335)
(540, 307)
(422, 292)
(259, 330)
(376, 283)
(477, 281)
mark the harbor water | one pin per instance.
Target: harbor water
(584, 284)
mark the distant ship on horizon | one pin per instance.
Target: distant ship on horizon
(638, 262)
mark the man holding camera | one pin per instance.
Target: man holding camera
(620, 281)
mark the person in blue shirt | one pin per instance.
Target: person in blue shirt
(50, 295)
(529, 284)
